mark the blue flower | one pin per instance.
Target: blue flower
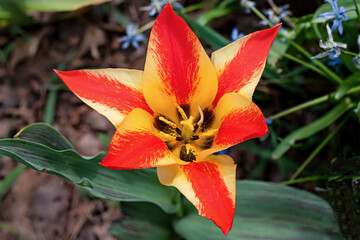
(338, 15)
(245, 4)
(268, 121)
(132, 37)
(276, 16)
(334, 50)
(335, 62)
(235, 35)
(156, 6)
(356, 59)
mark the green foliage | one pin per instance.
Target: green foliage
(311, 129)
(15, 11)
(268, 211)
(49, 152)
(259, 205)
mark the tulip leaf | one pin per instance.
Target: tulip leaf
(143, 221)
(311, 129)
(53, 6)
(268, 211)
(44, 134)
(120, 185)
(348, 83)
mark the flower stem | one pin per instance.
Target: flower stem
(260, 15)
(146, 27)
(295, 59)
(319, 148)
(305, 179)
(357, 10)
(350, 53)
(310, 103)
(330, 73)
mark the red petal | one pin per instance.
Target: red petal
(111, 92)
(241, 63)
(209, 185)
(241, 120)
(177, 68)
(135, 146)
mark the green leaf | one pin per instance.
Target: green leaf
(213, 38)
(268, 211)
(120, 185)
(54, 6)
(311, 129)
(277, 50)
(44, 134)
(143, 221)
(212, 14)
(10, 178)
(345, 86)
(326, 7)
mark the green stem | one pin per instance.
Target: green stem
(260, 15)
(330, 73)
(295, 59)
(49, 113)
(11, 177)
(319, 148)
(146, 27)
(305, 179)
(351, 53)
(317, 178)
(357, 10)
(310, 103)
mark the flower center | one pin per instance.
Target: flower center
(190, 136)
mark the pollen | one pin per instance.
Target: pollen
(187, 135)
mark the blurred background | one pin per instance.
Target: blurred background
(39, 36)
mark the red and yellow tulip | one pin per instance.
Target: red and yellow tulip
(182, 108)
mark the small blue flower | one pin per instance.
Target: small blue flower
(245, 4)
(338, 15)
(268, 121)
(156, 6)
(222, 152)
(132, 37)
(284, 12)
(335, 62)
(334, 50)
(356, 59)
(235, 35)
(276, 16)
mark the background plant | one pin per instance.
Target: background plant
(312, 106)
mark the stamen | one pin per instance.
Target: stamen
(201, 117)
(195, 137)
(181, 111)
(168, 122)
(188, 148)
(167, 136)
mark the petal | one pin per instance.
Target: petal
(111, 92)
(240, 64)
(135, 146)
(177, 69)
(209, 185)
(240, 120)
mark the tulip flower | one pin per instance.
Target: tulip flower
(181, 109)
